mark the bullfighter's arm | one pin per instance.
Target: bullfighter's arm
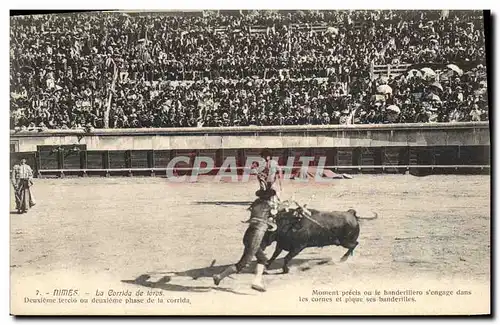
(30, 175)
(13, 176)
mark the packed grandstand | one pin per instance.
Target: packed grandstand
(240, 68)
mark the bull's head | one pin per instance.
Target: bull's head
(269, 238)
(287, 213)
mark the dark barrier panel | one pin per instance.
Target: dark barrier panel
(225, 153)
(297, 153)
(95, 159)
(368, 158)
(473, 155)
(118, 159)
(48, 157)
(344, 157)
(139, 158)
(190, 154)
(71, 160)
(317, 153)
(394, 156)
(358, 159)
(215, 155)
(72, 156)
(445, 155)
(161, 158)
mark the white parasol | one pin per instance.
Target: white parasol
(455, 68)
(428, 71)
(437, 85)
(394, 109)
(384, 89)
(414, 72)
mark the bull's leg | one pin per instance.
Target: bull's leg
(276, 253)
(350, 249)
(291, 254)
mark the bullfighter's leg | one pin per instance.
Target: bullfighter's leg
(262, 261)
(252, 239)
(257, 283)
(32, 201)
(236, 268)
(24, 206)
(350, 249)
(227, 272)
(17, 197)
(261, 257)
(291, 254)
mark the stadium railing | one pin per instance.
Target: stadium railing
(388, 70)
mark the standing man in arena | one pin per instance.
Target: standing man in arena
(267, 182)
(267, 176)
(22, 180)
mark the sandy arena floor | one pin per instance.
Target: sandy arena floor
(114, 233)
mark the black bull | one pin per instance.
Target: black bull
(294, 232)
(297, 231)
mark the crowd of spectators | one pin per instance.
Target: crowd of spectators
(233, 68)
(416, 97)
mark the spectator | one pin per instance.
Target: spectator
(239, 68)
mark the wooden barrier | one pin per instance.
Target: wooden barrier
(358, 148)
(154, 163)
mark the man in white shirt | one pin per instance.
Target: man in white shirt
(22, 180)
(267, 176)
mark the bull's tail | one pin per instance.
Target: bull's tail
(374, 215)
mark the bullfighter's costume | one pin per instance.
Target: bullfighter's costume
(259, 223)
(22, 181)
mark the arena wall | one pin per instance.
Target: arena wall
(366, 148)
(377, 135)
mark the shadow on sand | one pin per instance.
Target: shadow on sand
(164, 284)
(208, 272)
(239, 203)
